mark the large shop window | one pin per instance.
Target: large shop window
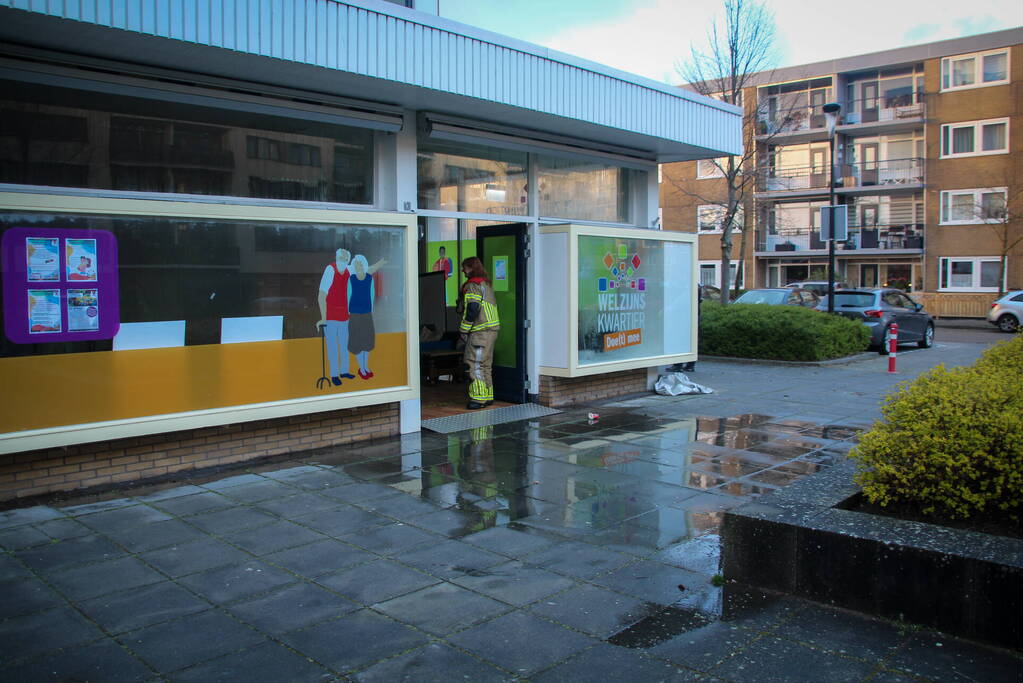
(74, 138)
(586, 191)
(471, 178)
(111, 318)
(626, 299)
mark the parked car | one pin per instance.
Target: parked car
(709, 293)
(818, 287)
(878, 309)
(782, 296)
(1007, 312)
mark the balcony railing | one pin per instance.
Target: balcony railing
(794, 179)
(883, 237)
(884, 108)
(791, 120)
(890, 172)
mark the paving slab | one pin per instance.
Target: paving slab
(521, 643)
(355, 641)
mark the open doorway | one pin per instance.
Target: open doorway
(444, 243)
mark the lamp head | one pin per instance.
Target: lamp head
(831, 112)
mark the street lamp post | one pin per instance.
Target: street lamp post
(831, 112)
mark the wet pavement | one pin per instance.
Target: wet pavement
(560, 548)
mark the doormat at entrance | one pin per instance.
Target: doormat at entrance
(486, 418)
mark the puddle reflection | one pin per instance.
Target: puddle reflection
(627, 478)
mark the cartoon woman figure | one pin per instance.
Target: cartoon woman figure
(361, 297)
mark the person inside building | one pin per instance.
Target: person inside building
(479, 328)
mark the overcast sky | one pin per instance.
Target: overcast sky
(647, 37)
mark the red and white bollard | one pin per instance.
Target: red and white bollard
(893, 345)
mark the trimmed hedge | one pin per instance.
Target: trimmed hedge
(778, 333)
(951, 442)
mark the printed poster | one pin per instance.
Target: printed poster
(42, 259)
(500, 273)
(81, 259)
(44, 315)
(82, 310)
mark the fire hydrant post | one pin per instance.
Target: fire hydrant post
(893, 345)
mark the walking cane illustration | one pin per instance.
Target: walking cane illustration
(323, 380)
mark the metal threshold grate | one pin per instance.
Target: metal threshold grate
(485, 418)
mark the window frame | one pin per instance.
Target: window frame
(944, 206)
(945, 263)
(701, 208)
(717, 272)
(978, 69)
(947, 130)
(715, 165)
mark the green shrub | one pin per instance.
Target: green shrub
(778, 333)
(951, 442)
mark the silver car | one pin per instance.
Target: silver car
(878, 309)
(1007, 312)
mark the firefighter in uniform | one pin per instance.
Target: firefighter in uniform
(479, 328)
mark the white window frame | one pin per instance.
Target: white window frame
(717, 272)
(738, 219)
(977, 195)
(710, 168)
(978, 131)
(945, 262)
(978, 70)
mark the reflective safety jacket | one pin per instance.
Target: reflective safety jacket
(480, 307)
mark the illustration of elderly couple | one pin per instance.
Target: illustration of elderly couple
(346, 300)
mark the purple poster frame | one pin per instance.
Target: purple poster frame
(16, 285)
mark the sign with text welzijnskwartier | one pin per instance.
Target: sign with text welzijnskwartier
(634, 298)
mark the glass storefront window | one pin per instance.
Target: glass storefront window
(584, 190)
(74, 138)
(471, 178)
(209, 314)
(634, 299)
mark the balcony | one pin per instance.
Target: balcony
(876, 239)
(885, 114)
(872, 176)
(798, 124)
(794, 181)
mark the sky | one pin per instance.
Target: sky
(648, 37)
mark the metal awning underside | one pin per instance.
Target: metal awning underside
(379, 52)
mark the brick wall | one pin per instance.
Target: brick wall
(32, 473)
(556, 392)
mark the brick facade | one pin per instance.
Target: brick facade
(85, 466)
(556, 392)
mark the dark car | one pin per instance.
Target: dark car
(782, 296)
(878, 309)
(709, 293)
(818, 287)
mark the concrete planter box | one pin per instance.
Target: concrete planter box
(797, 541)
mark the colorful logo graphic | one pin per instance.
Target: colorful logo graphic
(623, 269)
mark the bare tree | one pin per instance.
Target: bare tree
(740, 46)
(1001, 208)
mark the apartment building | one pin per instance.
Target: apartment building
(926, 160)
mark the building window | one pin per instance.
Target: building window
(975, 138)
(711, 168)
(709, 218)
(971, 207)
(70, 138)
(709, 273)
(978, 274)
(586, 190)
(976, 70)
(471, 178)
